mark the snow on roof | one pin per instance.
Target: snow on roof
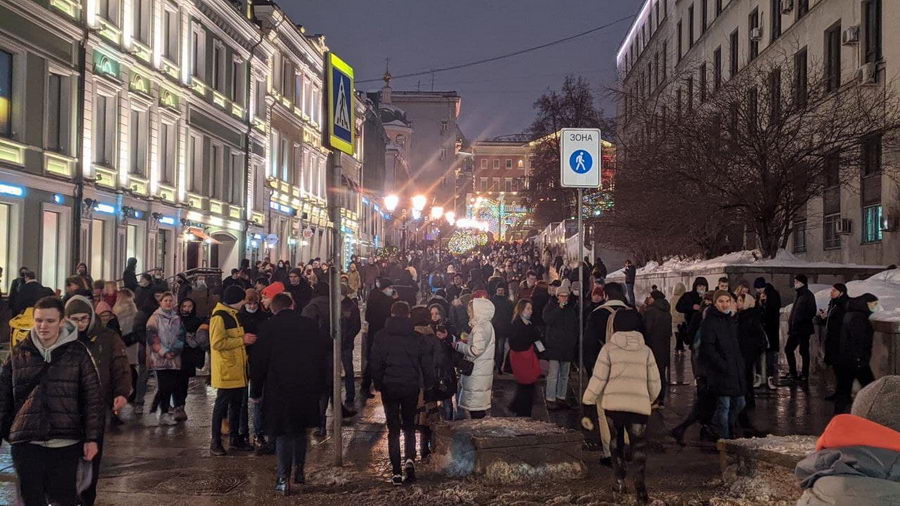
(746, 257)
(885, 285)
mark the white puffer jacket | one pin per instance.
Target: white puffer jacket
(625, 375)
(475, 389)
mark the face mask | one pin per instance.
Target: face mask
(388, 291)
(875, 307)
(251, 309)
(798, 285)
(701, 291)
(144, 283)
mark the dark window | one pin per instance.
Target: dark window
(801, 78)
(872, 35)
(196, 63)
(871, 155)
(753, 106)
(703, 83)
(665, 60)
(800, 236)
(678, 102)
(802, 8)
(775, 9)
(753, 23)
(831, 239)
(6, 98)
(690, 93)
(718, 7)
(774, 96)
(831, 170)
(169, 153)
(691, 26)
(735, 53)
(833, 58)
(679, 41)
(717, 68)
(704, 16)
(55, 113)
(138, 143)
(665, 8)
(871, 229)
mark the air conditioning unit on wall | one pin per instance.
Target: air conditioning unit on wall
(868, 74)
(787, 6)
(843, 226)
(888, 223)
(756, 33)
(850, 35)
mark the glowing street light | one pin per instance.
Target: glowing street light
(437, 212)
(390, 202)
(450, 216)
(419, 202)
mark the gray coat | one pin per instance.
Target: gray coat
(857, 475)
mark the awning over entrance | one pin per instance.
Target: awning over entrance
(200, 235)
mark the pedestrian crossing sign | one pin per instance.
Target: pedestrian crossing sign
(341, 127)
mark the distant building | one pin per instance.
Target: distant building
(500, 172)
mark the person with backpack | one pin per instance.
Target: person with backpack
(400, 366)
(228, 368)
(626, 381)
(51, 402)
(523, 359)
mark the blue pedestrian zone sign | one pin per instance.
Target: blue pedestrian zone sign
(581, 161)
(340, 105)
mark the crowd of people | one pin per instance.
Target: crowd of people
(438, 329)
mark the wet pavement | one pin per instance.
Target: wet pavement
(148, 464)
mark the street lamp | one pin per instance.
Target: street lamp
(419, 202)
(437, 212)
(390, 202)
(450, 216)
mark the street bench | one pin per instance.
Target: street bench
(762, 469)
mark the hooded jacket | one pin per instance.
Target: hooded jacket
(64, 406)
(595, 330)
(687, 301)
(720, 354)
(751, 336)
(771, 316)
(475, 389)
(626, 377)
(350, 323)
(378, 310)
(165, 335)
(857, 462)
(401, 361)
(561, 331)
(800, 321)
(834, 320)
(677, 293)
(108, 352)
(658, 330)
(228, 356)
(855, 349)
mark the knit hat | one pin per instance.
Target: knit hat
(720, 293)
(273, 290)
(657, 295)
(78, 305)
(879, 402)
(759, 283)
(385, 283)
(840, 287)
(626, 320)
(233, 294)
(345, 289)
(102, 307)
(801, 278)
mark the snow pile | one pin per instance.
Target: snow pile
(504, 473)
(738, 258)
(885, 285)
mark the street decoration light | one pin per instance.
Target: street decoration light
(419, 202)
(437, 212)
(390, 202)
(450, 216)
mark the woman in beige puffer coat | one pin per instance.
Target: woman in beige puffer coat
(625, 382)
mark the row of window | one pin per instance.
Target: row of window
(298, 87)
(495, 163)
(870, 232)
(296, 164)
(497, 184)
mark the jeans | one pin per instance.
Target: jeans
(181, 388)
(244, 429)
(727, 410)
(256, 415)
(844, 391)
(47, 475)
(400, 414)
(228, 400)
(500, 352)
(636, 433)
(349, 378)
(290, 451)
(557, 381)
(167, 387)
(447, 412)
(772, 363)
(629, 293)
(89, 495)
(140, 390)
(794, 341)
(523, 400)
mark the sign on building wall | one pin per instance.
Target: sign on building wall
(340, 104)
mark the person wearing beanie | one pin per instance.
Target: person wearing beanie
(269, 292)
(800, 328)
(560, 317)
(689, 303)
(299, 288)
(108, 352)
(625, 381)
(228, 368)
(855, 349)
(378, 310)
(857, 457)
(721, 360)
(833, 319)
(658, 336)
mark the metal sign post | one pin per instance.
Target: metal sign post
(579, 167)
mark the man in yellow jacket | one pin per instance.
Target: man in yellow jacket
(228, 359)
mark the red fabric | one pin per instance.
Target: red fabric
(273, 289)
(852, 430)
(525, 366)
(480, 294)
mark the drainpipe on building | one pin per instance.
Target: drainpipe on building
(79, 150)
(249, 122)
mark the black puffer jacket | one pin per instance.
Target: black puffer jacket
(720, 354)
(837, 308)
(856, 333)
(66, 404)
(771, 317)
(802, 313)
(561, 332)
(401, 361)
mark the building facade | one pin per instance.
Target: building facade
(501, 169)
(680, 50)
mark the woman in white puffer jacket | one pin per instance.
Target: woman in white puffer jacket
(475, 389)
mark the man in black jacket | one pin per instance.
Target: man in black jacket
(378, 309)
(834, 319)
(289, 375)
(299, 288)
(400, 365)
(17, 285)
(51, 408)
(630, 274)
(769, 301)
(800, 327)
(350, 327)
(29, 293)
(855, 350)
(720, 354)
(690, 302)
(502, 322)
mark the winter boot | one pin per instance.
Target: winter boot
(217, 449)
(281, 486)
(619, 486)
(299, 476)
(410, 469)
(397, 480)
(640, 492)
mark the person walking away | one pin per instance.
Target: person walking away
(16, 285)
(287, 378)
(108, 352)
(399, 368)
(855, 350)
(52, 406)
(165, 343)
(769, 301)
(800, 328)
(29, 293)
(447, 382)
(354, 281)
(228, 368)
(427, 410)
(753, 343)
(319, 310)
(351, 324)
(193, 355)
(626, 381)
(857, 457)
(630, 275)
(126, 314)
(251, 317)
(502, 321)
(658, 336)
(834, 319)
(720, 353)
(681, 338)
(378, 310)
(561, 342)
(478, 347)
(523, 358)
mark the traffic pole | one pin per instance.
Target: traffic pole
(334, 210)
(580, 298)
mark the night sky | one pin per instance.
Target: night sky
(497, 98)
